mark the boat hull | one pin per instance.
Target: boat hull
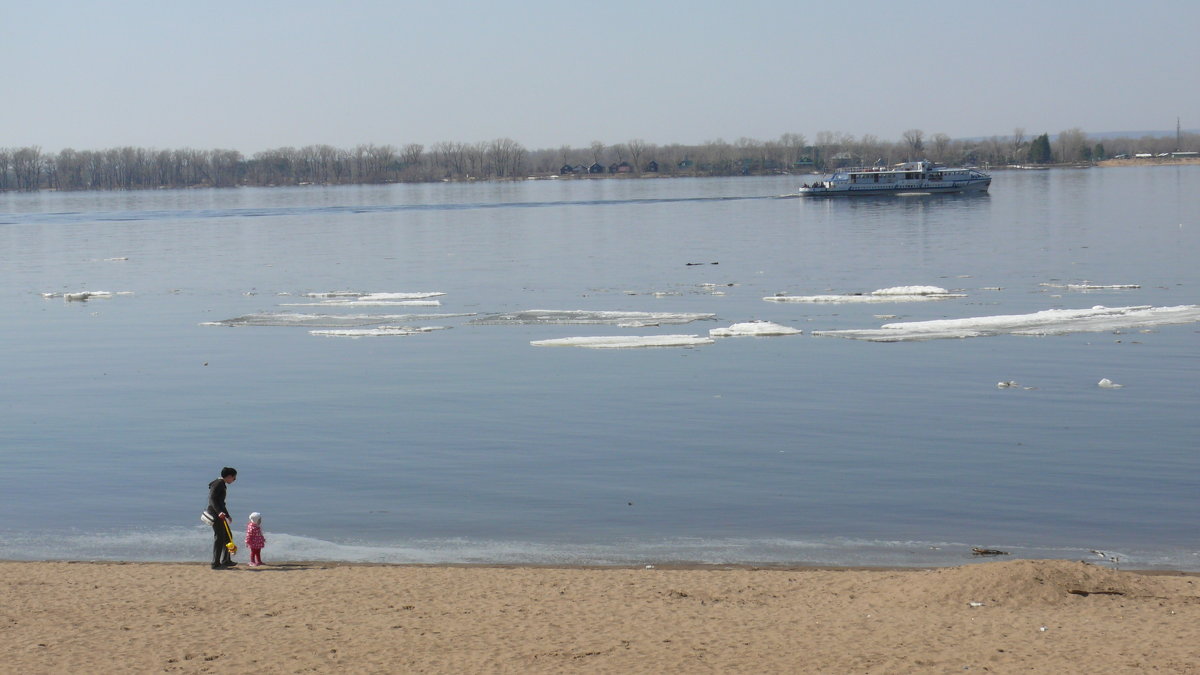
(869, 190)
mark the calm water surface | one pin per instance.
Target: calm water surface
(469, 444)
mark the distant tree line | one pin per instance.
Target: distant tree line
(129, 168)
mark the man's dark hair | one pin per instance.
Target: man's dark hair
(228, 471)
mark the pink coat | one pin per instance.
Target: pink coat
(254, 535)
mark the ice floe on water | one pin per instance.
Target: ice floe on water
(754, 329)
(355, 295)
(1085, 286)
(325, 320)
(366, 303)
(912, 290)
(893, 294)
(626, 341)
(1106, 383)
(713, 289)
(378, 331)
(696, 289)
(84, 296)
(1046, 322)
(356, 299)
(579, 316)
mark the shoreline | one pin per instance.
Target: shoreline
(1148, 161)
(530, 176)
(997, 615)
(660, 566)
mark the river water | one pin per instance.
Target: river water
(370, 359)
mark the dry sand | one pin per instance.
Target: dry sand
(1032, 616)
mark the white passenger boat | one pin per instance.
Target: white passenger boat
(907, 177)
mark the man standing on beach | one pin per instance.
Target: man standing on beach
(220, 516)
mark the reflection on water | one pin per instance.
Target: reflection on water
(473, 444)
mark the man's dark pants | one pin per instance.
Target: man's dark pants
(220, 538)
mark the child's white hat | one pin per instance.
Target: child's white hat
(256, 517)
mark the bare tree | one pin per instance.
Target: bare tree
(225, 167)
(793, 145)
(27, 167)
(774, 156)
(450, 158)
(716, 157)
(618, 151)
(636, 147)
(69, 170)
(672, 156)
(870, 150)
(138, 168)
(941, 143)
(383, 162)
(1073, 145)
(828, 145)
(308, 165)
(990, 151)
(334, 166)
(915, 138)
(1018, 144)
(476, 153)
(94, 166)
(412, 154)
(372, 163)
(543, 162)
(411, 163)
(505, 158)
(749, 155)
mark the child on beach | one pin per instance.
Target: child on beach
(255, 539)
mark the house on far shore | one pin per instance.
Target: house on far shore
(596, 168)
(651, 167)
(622, 167)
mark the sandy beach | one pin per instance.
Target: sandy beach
(995, 616)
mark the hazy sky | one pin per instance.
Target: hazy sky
(259, 74)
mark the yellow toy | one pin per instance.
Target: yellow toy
(230, 545)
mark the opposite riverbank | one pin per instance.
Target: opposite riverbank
(1150, 161)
